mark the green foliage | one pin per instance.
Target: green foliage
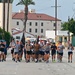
(70, 26)
(26, 2)
(11, 1)
(5, 36)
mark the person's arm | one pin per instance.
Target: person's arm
(72, 47)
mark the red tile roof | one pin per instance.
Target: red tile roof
(34, 16)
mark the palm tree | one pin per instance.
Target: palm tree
(26, 3)
(8, 1)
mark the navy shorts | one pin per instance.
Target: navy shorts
(70, 53)
(29, 52)
(47, 52)
(61, 54)
(41, 52)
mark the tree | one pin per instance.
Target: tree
(70, 26)
(5, 36)
(26, 3)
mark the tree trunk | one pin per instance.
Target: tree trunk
(25, 18)
(8, 16)
(4, 15)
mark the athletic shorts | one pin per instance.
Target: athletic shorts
(29, 52)
(47, 52)
(53, 52)
(20, 51)
(16, 53)
(36, 52)
(61, 54)
(70, 53)
(41, 52)
(12, 50)
(2, 49)
(5, 52)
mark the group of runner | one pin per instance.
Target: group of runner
(35, 51)
(39, 51)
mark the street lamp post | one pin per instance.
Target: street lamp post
(56, 18)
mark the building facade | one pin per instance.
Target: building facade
(37, 23)
(6, 11)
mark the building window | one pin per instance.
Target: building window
(17, 23)
(17, 37)
(54, 24)
(42, 24)
(30, 30)
(65, 39)
(30, 23)
(41, 30)
(36, 23)
(35, 30)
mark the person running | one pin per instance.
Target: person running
(41, 52)
(53, 51)
(60, 51)
(16, 51)
(5, 50)
(12, 45)
(70, 53)
(36, 51)
(28, 51)
(47, 52)
(21, 51)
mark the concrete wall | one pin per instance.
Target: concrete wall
(10, 16)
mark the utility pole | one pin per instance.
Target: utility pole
(55, 16)
(68, 31)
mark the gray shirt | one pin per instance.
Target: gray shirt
(12, 44)
(17, 48)
(60, 47)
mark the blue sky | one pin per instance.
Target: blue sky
(44, 6)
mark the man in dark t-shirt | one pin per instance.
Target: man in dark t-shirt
(53, 51)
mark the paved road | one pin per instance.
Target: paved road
(21, 68)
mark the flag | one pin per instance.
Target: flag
(23, 39)
(38, 39)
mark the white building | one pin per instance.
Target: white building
(10, 15)
(61, 36)
(37, 23)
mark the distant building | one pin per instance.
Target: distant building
(61, 36)
(37, 23)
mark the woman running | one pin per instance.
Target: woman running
(70, 53)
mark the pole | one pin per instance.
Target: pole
(68, 32)
(55, 17)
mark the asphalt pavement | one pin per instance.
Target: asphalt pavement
(10, 67)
